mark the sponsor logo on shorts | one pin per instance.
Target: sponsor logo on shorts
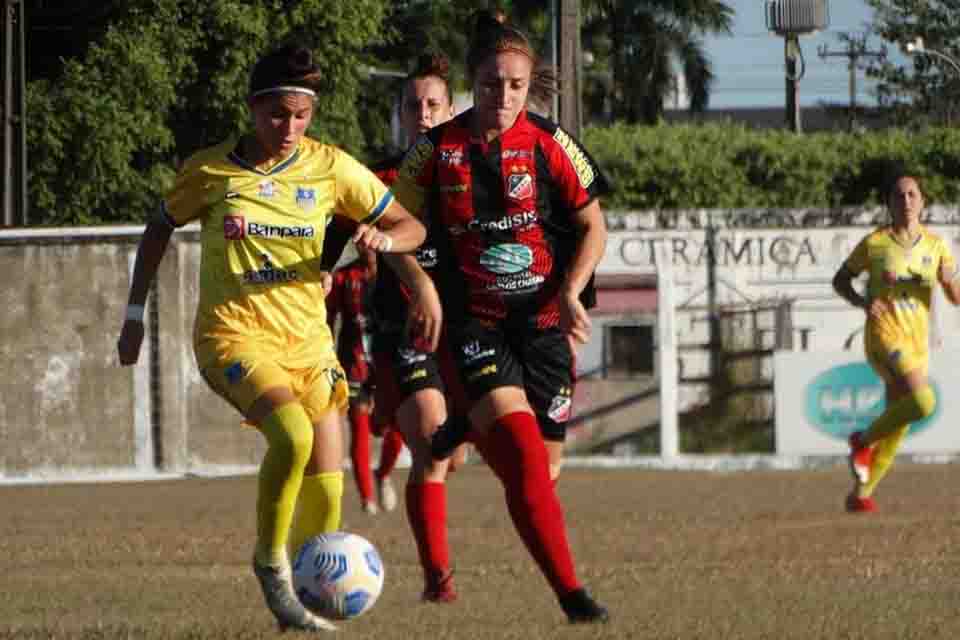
(520, 186)
(516, 154)
(410, 356)
(578, 157)
(473, 350)
(306, 198)
(416, 374)
(269, 274)
(488, 370)
(235, 373)
(560, 406)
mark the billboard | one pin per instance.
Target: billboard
(822, 397)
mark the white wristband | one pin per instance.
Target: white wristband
(389, 244)
(135, 312)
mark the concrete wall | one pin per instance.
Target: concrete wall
(66, 407)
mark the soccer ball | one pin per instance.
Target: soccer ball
(338, 575)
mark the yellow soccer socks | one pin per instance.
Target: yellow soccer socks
(289, 436)
(904, 410)
(884, 451)
(318, 509)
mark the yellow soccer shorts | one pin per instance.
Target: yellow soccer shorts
(241, 375)
(894, 357)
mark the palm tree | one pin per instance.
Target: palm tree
(639, 44)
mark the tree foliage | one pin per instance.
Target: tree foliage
(167, 77)
(926, 89)
(637, 46)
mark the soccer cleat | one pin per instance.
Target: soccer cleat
(277, 586)
(440, 587)
(860, 458)
(370, 508)
(581, 608)
(386, 494)
(856, 504)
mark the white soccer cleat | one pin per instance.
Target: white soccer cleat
(370, 508)
(386, 494)
(277, 586)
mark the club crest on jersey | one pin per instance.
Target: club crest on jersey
(234, 227)
(266, 189)
(306, 198)
(520, 186)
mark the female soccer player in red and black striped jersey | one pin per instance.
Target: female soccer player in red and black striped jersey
(513, 202)
(412, 383)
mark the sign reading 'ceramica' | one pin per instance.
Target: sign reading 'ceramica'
(751, 256)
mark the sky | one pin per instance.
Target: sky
(749, 65)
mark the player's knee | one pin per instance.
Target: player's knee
(926, 402)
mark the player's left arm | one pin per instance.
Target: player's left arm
(949, 276)
(580, 184)
(592, 230)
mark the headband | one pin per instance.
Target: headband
(285, 89)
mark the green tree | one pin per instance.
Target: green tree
(164, 78)
(926, 89)
(638, 46)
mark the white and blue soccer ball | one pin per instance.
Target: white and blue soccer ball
(338, 575)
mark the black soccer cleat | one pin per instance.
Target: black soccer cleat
(448, 436)
(582, 609)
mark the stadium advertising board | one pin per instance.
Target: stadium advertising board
(823, 397)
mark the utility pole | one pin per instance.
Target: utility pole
(568, 45)
(794, 72)
(856, 50)
(13, 158)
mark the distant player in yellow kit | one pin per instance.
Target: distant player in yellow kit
(261, 337)
(904, 262)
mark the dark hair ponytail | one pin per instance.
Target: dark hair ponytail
(290, 65)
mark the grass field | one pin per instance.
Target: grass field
(672, 554)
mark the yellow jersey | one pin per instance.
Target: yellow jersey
(261, 243)
(904, 275)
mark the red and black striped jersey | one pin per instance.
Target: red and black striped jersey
(503, 213)
(350, 299)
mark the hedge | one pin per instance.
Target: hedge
(721, 166)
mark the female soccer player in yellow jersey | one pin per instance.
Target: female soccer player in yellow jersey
(261, 338)
(904, 262)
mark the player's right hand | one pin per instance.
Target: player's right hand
(128, 345)
(425, 317)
